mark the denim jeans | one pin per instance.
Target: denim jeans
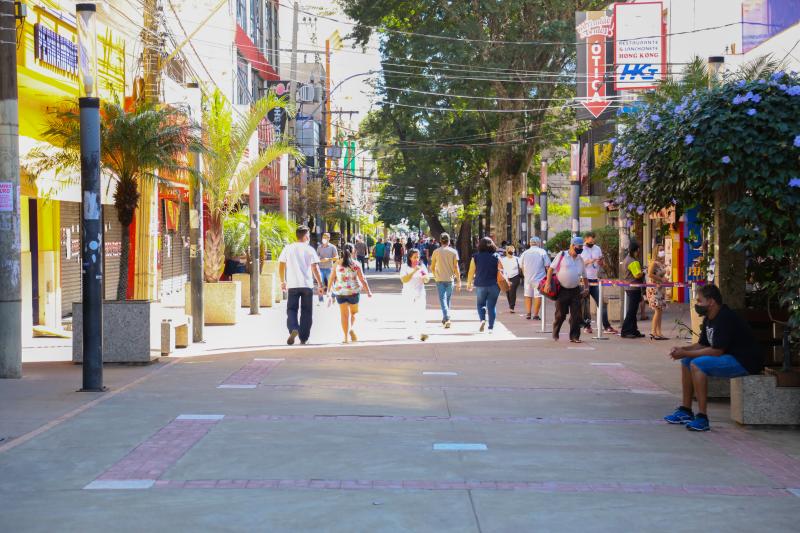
(325, 275)
(487, 301)
(723, 366)
(445, 289)
(300, 300)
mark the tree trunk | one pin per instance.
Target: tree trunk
(125, 251)
(729, 275)
(434, 225)
(214, 260)
(497, 216)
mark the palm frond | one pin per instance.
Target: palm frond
(760, 68)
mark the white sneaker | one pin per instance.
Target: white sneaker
(491, 331)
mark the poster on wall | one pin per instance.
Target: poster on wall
(639, 58)
(762, 19)
(594, 32)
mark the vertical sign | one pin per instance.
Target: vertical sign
(639, 58)
(594, 30)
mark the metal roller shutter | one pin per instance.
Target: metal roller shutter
(70, 256)
(174, 252)
(112, 241)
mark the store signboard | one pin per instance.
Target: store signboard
(594, 31)
(54, 49)
(639, 46)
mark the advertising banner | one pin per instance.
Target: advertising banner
(762, 19)
(594, 31)
(639, 46)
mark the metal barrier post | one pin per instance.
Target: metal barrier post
(599, 335)
(624, 306)
(544, 314)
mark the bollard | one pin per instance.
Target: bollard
(599, 335)
(544, 314)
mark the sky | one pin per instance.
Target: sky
(354, 94)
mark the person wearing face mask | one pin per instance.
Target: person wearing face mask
(298, 268)
(656, 296)
(726, 349)
(569, 268)
(592, 257)
(512, 271)
(632, 273)
(328, 254)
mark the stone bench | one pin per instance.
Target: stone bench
(176, 332)
(758, 400)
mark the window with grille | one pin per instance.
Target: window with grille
(256, 23)
(242, 85)
(241, 14)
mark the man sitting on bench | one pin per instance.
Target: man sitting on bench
(727, 349)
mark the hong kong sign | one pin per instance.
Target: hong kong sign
(638, 45)
(594, 31)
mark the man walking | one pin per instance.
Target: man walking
(534, 262)
(593, 259)
(362, 253)
(444, 267)
(632, 273)
(327, 257)
(298, 268)
(379, 247)
(568, 267)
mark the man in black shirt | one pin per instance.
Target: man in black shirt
(727, 349)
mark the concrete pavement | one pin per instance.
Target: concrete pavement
(246, 434)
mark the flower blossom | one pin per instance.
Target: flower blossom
(794, 182)
(797, 142)
(751, 112)
(726, 159)
(689, 139)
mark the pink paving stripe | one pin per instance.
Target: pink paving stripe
(252, 373)
(630, 379)
(782, 469)
(157, 454)
(444, 419)
(523, 486)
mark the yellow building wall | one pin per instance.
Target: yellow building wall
(49, 220)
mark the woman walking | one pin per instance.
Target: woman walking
(511, 270)
(414, 276)
(346, 283)
(656, 296)
(483, 270)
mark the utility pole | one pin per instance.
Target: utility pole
(10, 277)
(196, 250)
(255, 247)
(151, 51)
(92, 208)
(523, 210)
(284, 199)
(543, 202)
(575, 187)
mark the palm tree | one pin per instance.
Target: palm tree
(227, 173)
(135, 146)
(275, 233)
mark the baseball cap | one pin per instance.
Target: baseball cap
(577, 241)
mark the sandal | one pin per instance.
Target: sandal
(576, 341)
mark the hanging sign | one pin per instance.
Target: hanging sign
(639, 57)
(594, 30)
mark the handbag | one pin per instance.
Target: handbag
(503, 282)
(555, 285)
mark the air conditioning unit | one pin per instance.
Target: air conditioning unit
(306, 94)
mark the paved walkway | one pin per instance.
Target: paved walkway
(465, 432)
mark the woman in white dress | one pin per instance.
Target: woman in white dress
(511, 270)
(414, 276)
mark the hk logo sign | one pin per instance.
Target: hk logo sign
(637, 73)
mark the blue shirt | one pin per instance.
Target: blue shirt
(485, 269)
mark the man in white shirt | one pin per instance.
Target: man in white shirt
(569, 268)
(298, 268)
(534, 262)
(592, 257)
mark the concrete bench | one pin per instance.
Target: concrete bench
(176, 332)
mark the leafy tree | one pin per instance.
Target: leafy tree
(135, 147)
(227, 173)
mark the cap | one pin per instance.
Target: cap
(577, 241)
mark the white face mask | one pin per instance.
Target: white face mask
(661, 253)
(324, 241)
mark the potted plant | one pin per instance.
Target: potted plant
(228, 172)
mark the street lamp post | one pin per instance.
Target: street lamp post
(91, 213)
(575, 187)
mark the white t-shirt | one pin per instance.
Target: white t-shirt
(592, 270)
(299, 257)
(510, 266)
(416, 285)
(534, 264)
(569, 270)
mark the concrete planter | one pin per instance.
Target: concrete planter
(221, 300)
(266, 290)
(130, 329)
(758, 400)
(271, 267)
(611, 304)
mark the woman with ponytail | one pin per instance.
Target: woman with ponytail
(346, 283)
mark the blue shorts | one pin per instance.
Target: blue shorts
(723, 366)
(351, 299)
